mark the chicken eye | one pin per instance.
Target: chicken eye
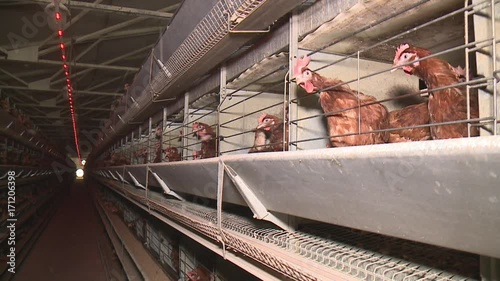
(405, 56)
(307, 72)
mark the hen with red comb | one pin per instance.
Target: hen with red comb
(351, 115)
(446, 105)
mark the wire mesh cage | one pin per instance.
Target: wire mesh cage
(253, 112)
(172, 138)
(364, 103)
(362, 78)
(200, 128)
(358, 254)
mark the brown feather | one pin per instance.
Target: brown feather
(373, 116)
(259, 144)
(449, 104)
(417, 114)
(208, 140)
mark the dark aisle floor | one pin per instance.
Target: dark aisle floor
(68, 249)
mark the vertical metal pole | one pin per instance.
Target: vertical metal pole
(467, 64)
(494, 62)
(139, 139)
(132, 148)
(185, 127)
(222, 95)
(126, 148)
(150, 126)
(359, 102)
(163, 125)
(293, 110)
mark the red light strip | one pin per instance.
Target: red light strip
(68, 78)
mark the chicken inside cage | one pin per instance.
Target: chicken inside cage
(202, 126)
(386, 87)
(364, 103)
(254, 114)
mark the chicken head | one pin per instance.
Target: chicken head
(266, 122)
(403, 58)
(202, 131)
(303, 75)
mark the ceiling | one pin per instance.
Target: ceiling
(107, 42)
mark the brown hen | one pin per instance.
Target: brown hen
(347, 108)
(445, 105)
(413, 115)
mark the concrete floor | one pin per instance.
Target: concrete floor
(68, 248)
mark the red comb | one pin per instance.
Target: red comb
(300, 65)
(261, 117)
(399, 51)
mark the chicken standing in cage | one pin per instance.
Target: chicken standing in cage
(172, 154)
(446, 105)
(351, 115)
(208, 141)
(269, 134)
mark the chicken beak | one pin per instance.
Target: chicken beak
(396, 67)
(260, 126)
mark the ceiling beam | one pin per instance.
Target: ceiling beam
(76, 92)
(14, 77)
(29, 73)
(62, 107)
(97, 34)
(34, 117)
(120, 34)
(83, 53)
(16, 98)
(77, 64)
(65, 118)
(86, 103)
(113, 9)
(102, 84)
(91, 36)
(79, 73)
(85, 126)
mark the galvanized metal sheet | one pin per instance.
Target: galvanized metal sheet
(197, 178)
(445, 193)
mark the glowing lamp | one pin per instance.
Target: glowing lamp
(79, 173)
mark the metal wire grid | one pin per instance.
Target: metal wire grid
(197, 115)
(234, 93)
(329, 246)
(160, 245)
(470, 84)
(202, 39)
(468, 47)
(246, 9)
(453, 261)
(157, 242)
